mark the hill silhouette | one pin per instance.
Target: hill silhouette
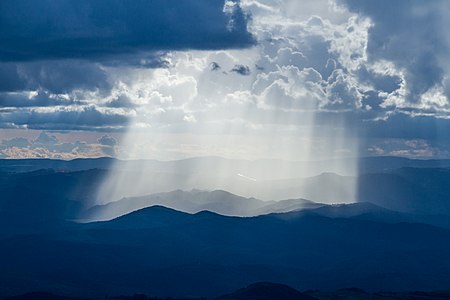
(266, 291)
(163, 252)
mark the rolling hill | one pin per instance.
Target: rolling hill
(164, 252)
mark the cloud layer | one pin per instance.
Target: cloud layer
(411, 36)
(48, 145)
(347, 69)
(46, 29)
(59, 61)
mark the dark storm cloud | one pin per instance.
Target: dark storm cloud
(64, 76)
(41, 99)
(49, 77)
(48, 29)
(53, 83)
(241, 70)
(408, 33)
(121, 101)
(385, 83)
(62, 55)
(405, 126)
(214, 66)
(85, 118)
(139, 60)
(397, 126)
(10, 79)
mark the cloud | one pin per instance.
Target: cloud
(415, 148)
(300, 70)
(42, 30)
(65, 118)
(241, 70)
(108, 145)
(186, 89)
(38, 98)
(412, 36)
(59, 77)
(107, 140)
(323, 64)
(15, 142)
(214, 66)
(46, 139)
(63, 65)
(49, 145)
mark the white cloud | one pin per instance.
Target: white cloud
(56, 146)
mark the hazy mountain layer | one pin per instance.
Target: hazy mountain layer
(220, 202)
(263, 169)
(68, 194)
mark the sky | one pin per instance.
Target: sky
(249, 79)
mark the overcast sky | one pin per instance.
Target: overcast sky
(169, 79)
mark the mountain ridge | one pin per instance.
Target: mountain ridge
(219, 201)
(143, 250)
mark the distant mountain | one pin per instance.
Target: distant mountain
(286, 206)
(79, 164)
(225, 203)
(220, 202)
(418, 190)
(163, 252)
(49, 194)
(324, 188)
(378, 181)
(256, 168)
(371, 212)
(413, 190)
(377, 164)
(72, 195)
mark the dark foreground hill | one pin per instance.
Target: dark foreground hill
(266, 291)
(162, 252)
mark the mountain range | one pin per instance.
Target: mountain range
(265, 291)
(55, 237)
(218, 201)
(160, 251)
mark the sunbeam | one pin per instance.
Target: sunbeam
(243, 144)
(261, 121)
